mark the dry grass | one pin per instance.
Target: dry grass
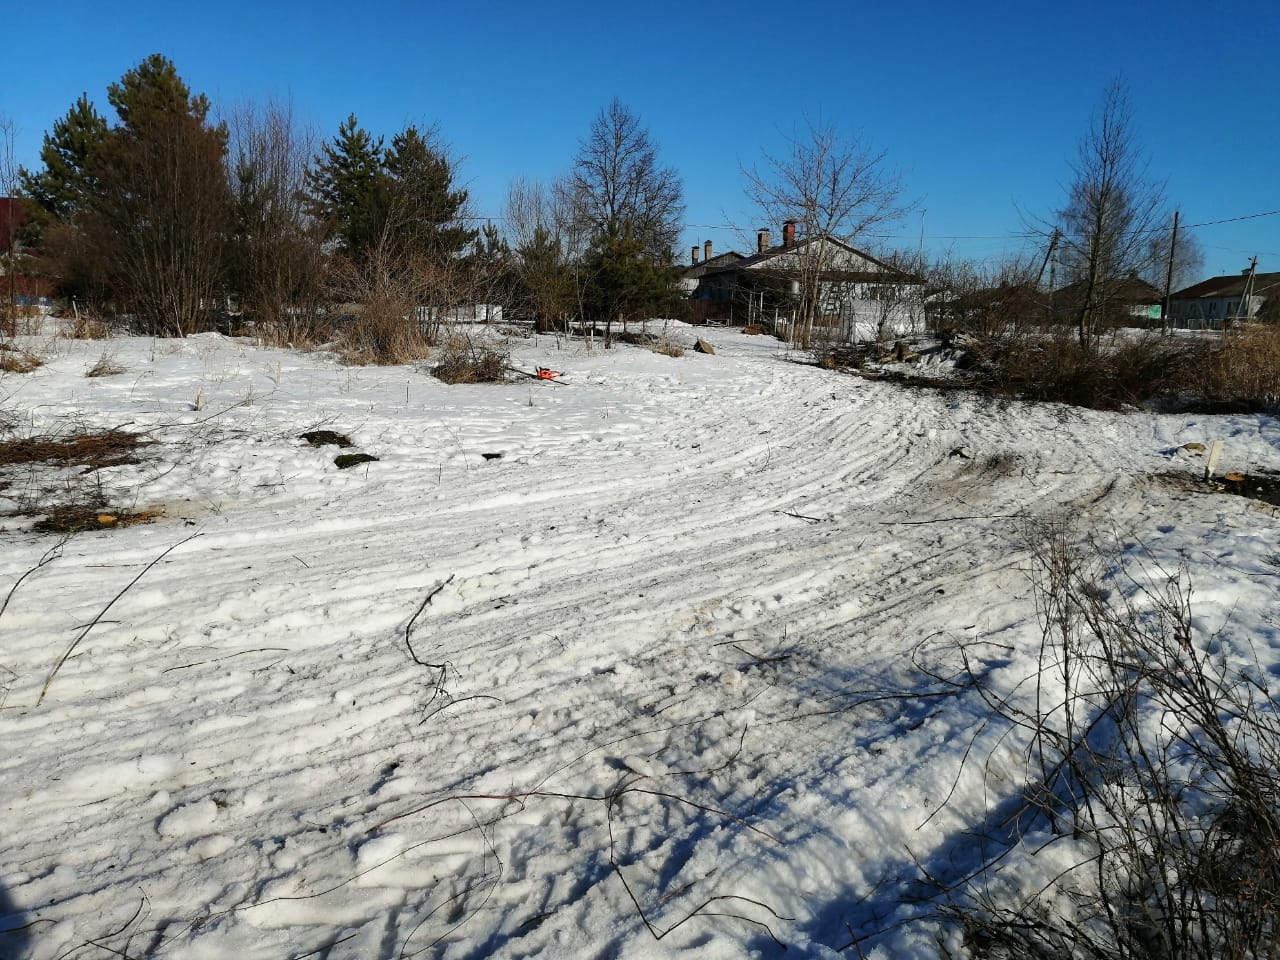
(110, 448)
(105, 366)
(1244, 369)
(16, 318)
(87, 326)
(13, 360)
(658, 344)
(385, 334)
(666, 347)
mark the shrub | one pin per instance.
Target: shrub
(105, 366)
(385, 332)
(1054, 366)
(87, 325)
(462, 361)
(1150, 823)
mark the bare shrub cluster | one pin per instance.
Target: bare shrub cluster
(1152, 809)
(1239, 370)
(462, 360)
(384, 332)
(1053, 365)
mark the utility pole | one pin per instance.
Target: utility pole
(1168, 277)
(1050, 261)
(1246, 296)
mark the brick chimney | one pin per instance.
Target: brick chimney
(706, 251)
(696, 250)
(788, 234)
(762, 240)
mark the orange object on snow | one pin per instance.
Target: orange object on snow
(545, 374)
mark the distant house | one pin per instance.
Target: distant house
(989, 309)
(1205, 305)
(1126, 300)
(859, 296)
(24, 289)
(704, 307)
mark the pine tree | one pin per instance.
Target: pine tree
(163, 201)
(426, 206)
(546, 285)
(348, 190)
(58, 191)
(136, 213)
(623, 282)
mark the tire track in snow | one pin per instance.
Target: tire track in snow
(597, 602)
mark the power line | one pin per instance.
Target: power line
(1247, 216)
(1022, 235)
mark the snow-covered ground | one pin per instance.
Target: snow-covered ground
(633, 688)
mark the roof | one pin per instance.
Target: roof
(1228, 286)
(1130, 289)
(719, 260)
(988, 297)
(755, 261)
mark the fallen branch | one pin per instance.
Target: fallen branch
(102, 613)
(201, 663)
(980, 516)
(53, 553)
(801, 516)
(442, 668)
(408, 629)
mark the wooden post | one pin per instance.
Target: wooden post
(1215, 454)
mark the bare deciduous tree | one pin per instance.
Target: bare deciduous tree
(617, 187)
(276, 261)
(832, 186)
(1112, 214)
(9, 224)
(628, 208)
(542, 235)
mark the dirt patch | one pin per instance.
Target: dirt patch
(111, 448)
(1264, 487)
(321, 438)
(81, 518)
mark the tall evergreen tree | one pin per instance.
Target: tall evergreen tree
(623, 282)
(426, 204)
(163, 201)
(68, 152)
(137, 211)
(348, 189)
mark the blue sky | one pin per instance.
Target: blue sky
(978, 104)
